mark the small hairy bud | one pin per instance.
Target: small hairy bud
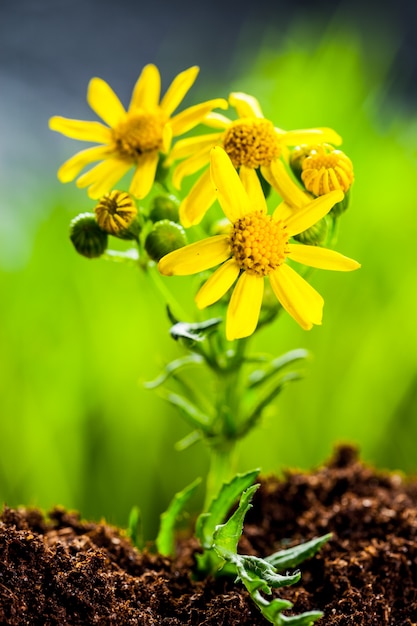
(87, 237)
(164, 237)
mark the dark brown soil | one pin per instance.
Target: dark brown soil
(63, 571)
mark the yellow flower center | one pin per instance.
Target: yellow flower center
(115, 212)
(324, 171)
(251, 142)
(259, 243)
(139, 133)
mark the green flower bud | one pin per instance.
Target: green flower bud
(297, 156)
(221, 227)
(340, 207)
(87, 237)
(164, 237)
(164, 208)
(315, 235)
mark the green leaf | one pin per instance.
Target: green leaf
(255, 414)
(192, 332)
(292, 557)
(165, 541)
(258, 377)
(189, 440)
(191, 413)
(134, 527)
(226, 536)
(220, 506)
(304, 619)
(173, 367)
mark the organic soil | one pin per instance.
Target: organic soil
(59, 570)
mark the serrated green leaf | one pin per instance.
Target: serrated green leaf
(221, 505)
(165, 540)
(226, 536)
(258, 377)
(255, 568)
(173, 367)
(291, 557)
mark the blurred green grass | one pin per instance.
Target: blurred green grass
(79, 337)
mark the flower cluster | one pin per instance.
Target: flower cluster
(236, 160)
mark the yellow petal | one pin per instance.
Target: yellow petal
(147, 89)
(196, 204)
(231, 194)
(195, 258)
(216, 120)
(101, 178)
(184, 148)
(104, 102)
(218, 284)
(322, 258)
(253, 188)
(310, 136)
(297, 296)
(78, 129)
(313, 212)
(166, 138)
(280, 179)
(191, 165)
(144, 175)
(186, 120)
(244, 307)
(245, 105)
(71, 168)
(178, 89)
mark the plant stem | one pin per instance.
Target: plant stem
(220, 471)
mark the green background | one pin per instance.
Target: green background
(78, 338)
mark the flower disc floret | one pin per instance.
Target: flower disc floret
(138, 134)
(251, 142)
(258, 243)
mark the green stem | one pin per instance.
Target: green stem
(166, 294)
(222, 462)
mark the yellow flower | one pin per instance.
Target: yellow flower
(257, 246)
(251, 141)
(132, 138)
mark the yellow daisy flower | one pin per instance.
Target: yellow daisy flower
(257, 246)
(132, 138)
(251, 141)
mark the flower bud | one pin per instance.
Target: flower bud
(87, 237)
(326, 169)
(115, 212)
(164, 208)
(315, 235)
(296, 159)
(164, 237)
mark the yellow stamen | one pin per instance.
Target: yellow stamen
(251, 142)
(326, 169)
(258, 243)
(139, 133)
(115, 212)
